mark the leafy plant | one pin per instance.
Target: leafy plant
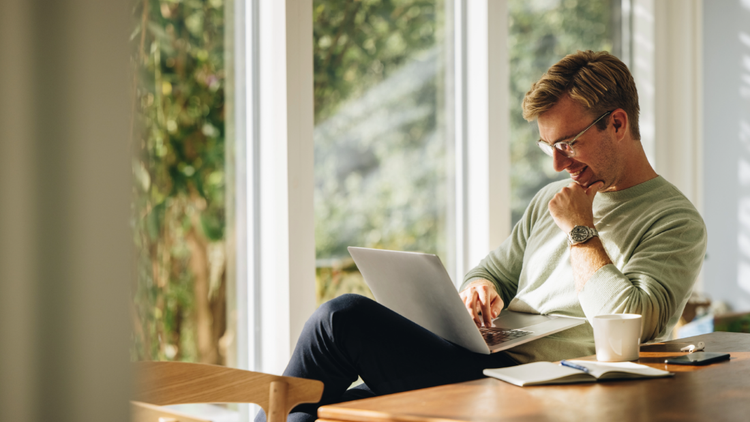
(179, 186)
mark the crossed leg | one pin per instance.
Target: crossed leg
(353, 336)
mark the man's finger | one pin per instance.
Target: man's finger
(497, 306)
(593, 189)
(486, 307)
(470, 303)
(478, 313)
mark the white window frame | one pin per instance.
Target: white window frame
(668, 70)
(281, 245)
(484, 178)
(667, 56)
(271, 107)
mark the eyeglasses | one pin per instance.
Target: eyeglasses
(566, 147)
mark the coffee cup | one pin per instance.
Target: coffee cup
(617, 337)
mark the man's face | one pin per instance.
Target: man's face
(595, 157)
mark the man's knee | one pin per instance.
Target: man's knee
(345, 303)
(345, 309)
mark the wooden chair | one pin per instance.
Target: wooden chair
(142, 412)
(165, 383)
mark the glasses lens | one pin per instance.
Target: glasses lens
(547, 148)
(564, 148)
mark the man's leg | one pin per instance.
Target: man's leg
(354, 336)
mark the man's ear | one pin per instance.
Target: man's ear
(620, 123)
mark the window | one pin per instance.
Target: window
(179, 296)
(383, 142)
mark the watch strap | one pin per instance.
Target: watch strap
(581, 234)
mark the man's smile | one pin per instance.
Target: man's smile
(576, 173)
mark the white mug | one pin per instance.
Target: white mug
(617, 337)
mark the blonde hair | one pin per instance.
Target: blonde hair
(598, 81)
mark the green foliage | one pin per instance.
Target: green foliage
(380, 149)
(733, 323)
(359, 43)
(179, 186)
(541, 33)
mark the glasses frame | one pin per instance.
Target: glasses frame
(560, 145)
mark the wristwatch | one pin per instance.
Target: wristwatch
(581, 234)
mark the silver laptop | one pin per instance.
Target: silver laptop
(417, 286)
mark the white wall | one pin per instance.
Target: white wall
(65, 253)
(727, 150)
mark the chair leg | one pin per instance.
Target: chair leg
(277, 410)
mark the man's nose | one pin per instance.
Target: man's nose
(560, 161)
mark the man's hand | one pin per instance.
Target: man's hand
(572, 206)
(482, 302)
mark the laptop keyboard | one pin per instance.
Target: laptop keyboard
(495, 336)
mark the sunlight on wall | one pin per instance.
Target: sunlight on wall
(743, 235)
(643, 72)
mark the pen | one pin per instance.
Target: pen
(574, 366)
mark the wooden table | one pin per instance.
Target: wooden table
(716, 392)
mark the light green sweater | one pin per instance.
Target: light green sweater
(655, 238)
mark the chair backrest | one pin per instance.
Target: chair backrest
(164, 383)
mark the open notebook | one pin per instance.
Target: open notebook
(543, 373)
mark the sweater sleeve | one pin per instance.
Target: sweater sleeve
(657, 278)
(503, 265)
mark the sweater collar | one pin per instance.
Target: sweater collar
(632, 192)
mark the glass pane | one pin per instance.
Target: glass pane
(541, 33)
(179, 304)
(383, 154)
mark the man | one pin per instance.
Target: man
(617, 239)
(650, 242)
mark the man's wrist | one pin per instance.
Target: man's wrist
(477, 282)
(581, 234)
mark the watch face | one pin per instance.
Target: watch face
(579, 234)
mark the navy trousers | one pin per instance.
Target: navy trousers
(353, 336)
